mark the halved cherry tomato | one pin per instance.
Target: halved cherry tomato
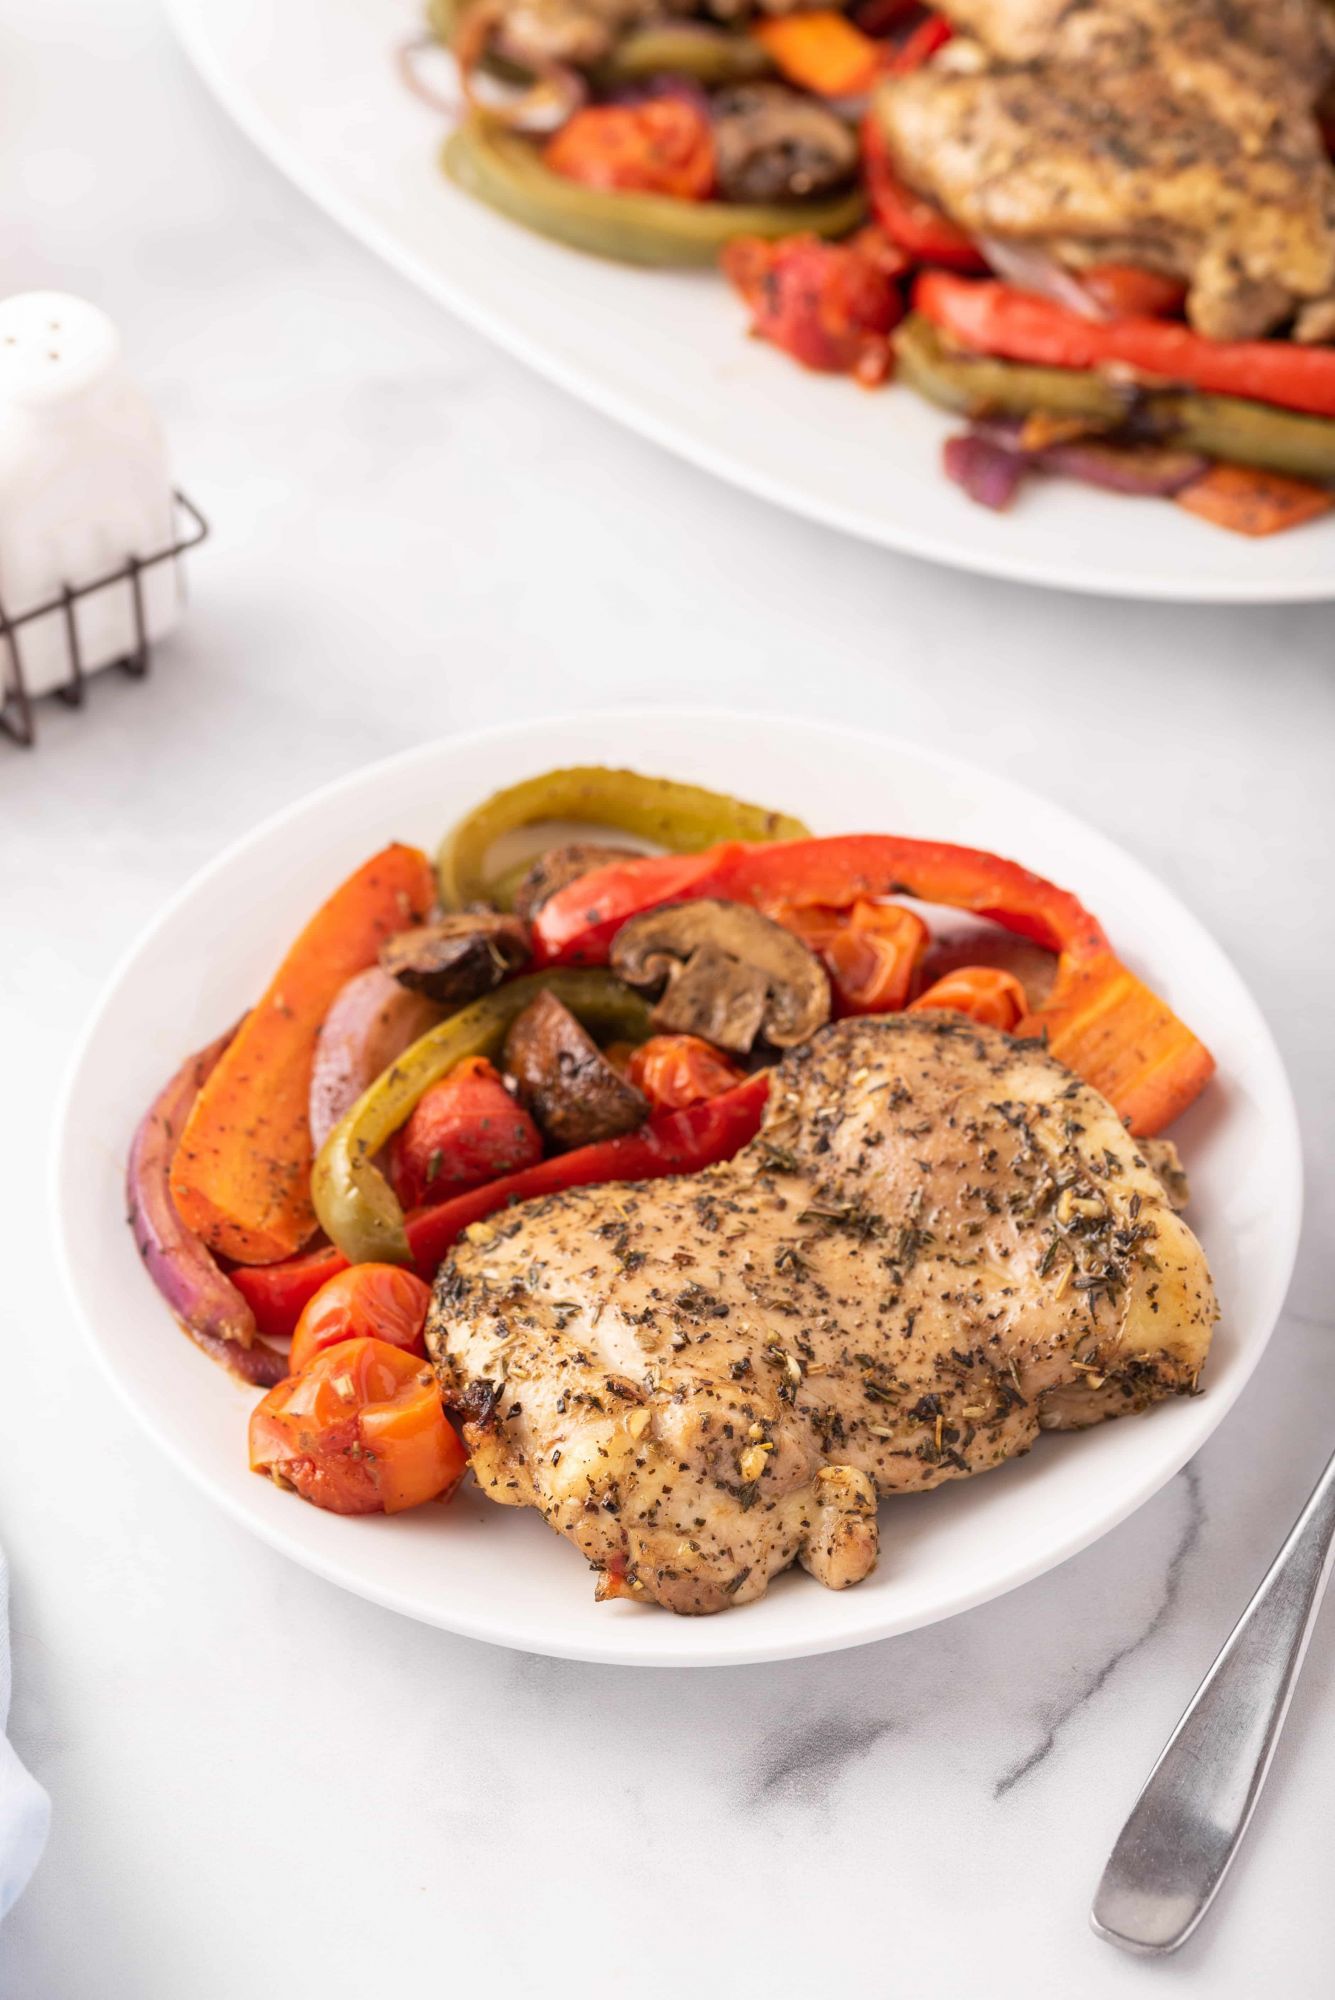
(676, 1070)
(984, 992)
(871, 950)
(465, 1130)
(663, 146)
(360, 1431)
(380, 1300)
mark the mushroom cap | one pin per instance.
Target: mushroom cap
(565, 1080)
(727, 972)
(457, 958)
(773, 144)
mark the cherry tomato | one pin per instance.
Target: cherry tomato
(381, 1300)
(360, 1431)
(663, 146)
(984, 992)
(676, 1070)
(832, 306)
(465, 1130)
(870, 950)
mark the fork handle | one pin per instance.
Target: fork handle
(1188, 1822)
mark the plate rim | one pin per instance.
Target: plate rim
(719, 1649)
(1230, 588)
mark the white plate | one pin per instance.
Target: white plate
(314, 83)
(500, 1575)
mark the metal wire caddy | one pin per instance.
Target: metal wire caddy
(16, 709)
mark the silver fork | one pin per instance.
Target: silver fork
(1188, 1823)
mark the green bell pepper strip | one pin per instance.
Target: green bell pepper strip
(506, 172)
(1222, 427)
(709, 56)
(358, 1209)
(684, 818)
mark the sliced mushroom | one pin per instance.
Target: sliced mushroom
(770, 144)
(459, 957)
(565, 1080)
(727, 973)
(559, 867)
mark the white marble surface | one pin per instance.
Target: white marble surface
(260, 1784)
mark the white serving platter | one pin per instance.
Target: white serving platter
(315, 83)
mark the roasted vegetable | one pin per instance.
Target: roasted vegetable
(662, 146)
(870, 950)
(367, 1301)
(682, 817)
(724, 972)
(208, 1305)
(372, 1021)
(565, 1081)
(676, 1070)
(917, 225)
(1248, 502)
(360, 1431)
(465, 1130)
(539, 879)
(820, 51)
(771, 144)
(832, 306)
(1221, 427)
(241, 1174)
(984, 992)
(673, 1142)
(1099, 1019)
(695, 49)
(458, 957)
(991, 318)
(356, 1206)
(507, 173)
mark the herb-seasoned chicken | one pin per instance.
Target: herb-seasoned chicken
(940, 1243)
(1180, 135)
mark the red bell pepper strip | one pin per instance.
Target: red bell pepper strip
(1099, 1019)
(577, 925)
(991, 318)
(915, 224)
(920, 46)
(674, 1142)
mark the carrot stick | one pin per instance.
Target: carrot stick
(822, 52)
(1251, 502)
(241, 1173)
(1107, 1026)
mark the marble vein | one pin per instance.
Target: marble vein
(1061, 1713)
(806, 1764)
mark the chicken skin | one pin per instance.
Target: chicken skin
(1177, 135)
(939, 1244)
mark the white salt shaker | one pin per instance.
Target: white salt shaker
(84, 485)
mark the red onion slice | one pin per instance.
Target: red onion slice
(988, 472)
(1036, 271)
(372, 1021)
(1153, 471)
(204, 1300)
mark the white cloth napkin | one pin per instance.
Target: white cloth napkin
(25, 1810)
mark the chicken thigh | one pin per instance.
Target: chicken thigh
(940, 1243)
(1180, 135)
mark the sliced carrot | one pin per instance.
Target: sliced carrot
(1106, 1025)
(822, 52)
(241, 1173)
(1251, 502)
